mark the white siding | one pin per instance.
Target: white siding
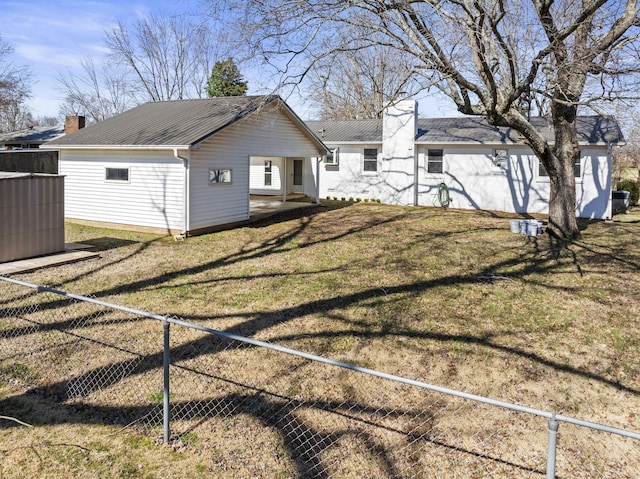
(349, 180)
(265, 133)
(257, 174)
(474, 181)
(153, 196)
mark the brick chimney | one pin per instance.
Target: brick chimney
(73, 123)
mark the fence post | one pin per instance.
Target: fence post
(165, 365)
(551, 446)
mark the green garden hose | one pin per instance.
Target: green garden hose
(443, 195)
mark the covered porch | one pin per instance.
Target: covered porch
(263, 206)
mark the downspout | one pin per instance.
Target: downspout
(416, 183)
(185, 219)
(609, 215)
(318, 161)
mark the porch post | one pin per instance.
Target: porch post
(285, 178)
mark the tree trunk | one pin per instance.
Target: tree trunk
(560, 165)
(562, 201)
(558, 159)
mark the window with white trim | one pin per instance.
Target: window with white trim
(370, 160)
(501, 158)
(217, 177)
(435, 161)
(333, 157)
(267, 172)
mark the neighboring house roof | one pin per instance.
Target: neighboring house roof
(35, 135)
(178, 123)
(460, 130)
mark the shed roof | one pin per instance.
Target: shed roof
(178, 123)
(464, 130)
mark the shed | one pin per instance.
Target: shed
(31, 215)
(186, 166)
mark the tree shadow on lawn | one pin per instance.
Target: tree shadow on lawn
(56, 395)
(306, 443)
(256, 322)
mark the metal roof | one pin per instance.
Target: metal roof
(343, 131)
(37, 134)
(173, 123)
(590, 129)
(464, 130)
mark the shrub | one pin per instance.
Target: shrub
(633, 187)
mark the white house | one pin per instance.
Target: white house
(185, 166)
(463, 162)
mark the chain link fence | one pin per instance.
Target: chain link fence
(257, 410)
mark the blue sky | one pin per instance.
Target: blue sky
(51, 36)
(54, 36)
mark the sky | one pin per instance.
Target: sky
(52, 37)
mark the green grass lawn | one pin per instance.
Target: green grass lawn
(449, 297)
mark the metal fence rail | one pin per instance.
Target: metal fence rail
(257, 409)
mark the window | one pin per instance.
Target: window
(434, 161)
(370, 159)
(333, 157)
(267, 173)
(117, 174)
(500, 157)
(542, 171)
(219, 176)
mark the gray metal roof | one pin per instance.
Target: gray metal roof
(464, 130)
(591, 130)
(37, 134)
(170, 123)
(342, 131)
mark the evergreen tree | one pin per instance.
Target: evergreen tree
(226, 80)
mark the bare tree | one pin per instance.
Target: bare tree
(359, 84)
(170, 57)
(97, 93)
(46, 120)
(14, 90)
(494, 58)
(628, 155)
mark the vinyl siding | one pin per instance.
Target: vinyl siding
(265, 133)
(153, 196)
(257, 175)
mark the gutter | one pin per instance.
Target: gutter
(115, 147)
(185, 220)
